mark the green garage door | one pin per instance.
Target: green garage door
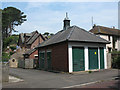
(49, 60)
(41, 59)
(78, 59)
(101, 58)
(93, 58)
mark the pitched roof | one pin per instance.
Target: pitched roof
(105, 30)
(34, 37)
(27, 34)
(73, 33)
(30, 51)
(31, 35)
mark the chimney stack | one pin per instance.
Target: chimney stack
(66, 22)
(113, 27)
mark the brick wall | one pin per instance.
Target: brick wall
(59, 56)
(32, 55)
(36, 42)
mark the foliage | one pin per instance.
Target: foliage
(11, 53)
(9, 41)
(115, 52)
(51, 34)
(116, 59)
(11, 17)
(5, 57)
(48, 34)
(89, 71)
(13, 48)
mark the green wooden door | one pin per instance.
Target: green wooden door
(93, 58)
(42, 58)
(49, 60)
(78, 59)
(101, 58)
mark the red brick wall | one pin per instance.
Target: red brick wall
(59, 56)
(32, 55)
(36, 42)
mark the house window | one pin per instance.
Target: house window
(26, 56)
(114, 41)
(109, 38)
(109, 50)
(36, 56)
(13, 60)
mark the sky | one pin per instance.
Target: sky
(49, 16)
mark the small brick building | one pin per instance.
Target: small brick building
(30, 40)
(73, 49)
(32, 54)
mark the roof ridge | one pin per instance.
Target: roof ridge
(68, 37)
(108, 27)
(31, 37)
(92, 34)
(36, 36)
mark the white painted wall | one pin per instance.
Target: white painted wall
(117, 44)
(99, 58)
(86, 58)
(105, 58)
(85, 45)
(70, 58)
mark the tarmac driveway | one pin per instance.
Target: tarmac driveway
(44, 79)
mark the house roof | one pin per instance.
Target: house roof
(31, 35)
(27, 34)
(105, 30)
(33, 38)
(73, 33)
(29, 52)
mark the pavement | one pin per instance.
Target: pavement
(44, 79)
(13, 79)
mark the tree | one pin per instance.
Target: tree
(46, 34)
(10, 41)
(11, 17)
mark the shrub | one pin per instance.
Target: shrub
(13, 48)
(5, 57)
(11, 53)
(116, 60)
(89, 71)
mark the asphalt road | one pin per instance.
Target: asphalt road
(44, 79)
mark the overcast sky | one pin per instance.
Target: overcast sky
(48, 16)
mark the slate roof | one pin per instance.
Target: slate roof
(73, 33)
(31, 35)
(33, 38)
(30, 51)
(27, 34)
(105, 30)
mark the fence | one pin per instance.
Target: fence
(27, 63)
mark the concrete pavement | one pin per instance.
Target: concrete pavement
(44, 79)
